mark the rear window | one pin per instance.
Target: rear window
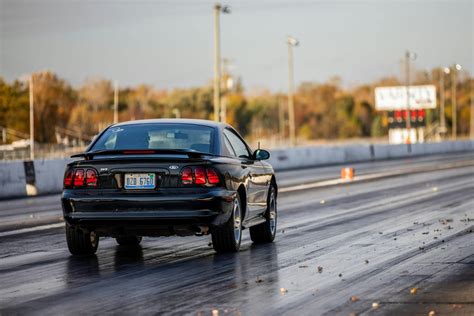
(157, 136)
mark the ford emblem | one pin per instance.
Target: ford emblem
(173, 167)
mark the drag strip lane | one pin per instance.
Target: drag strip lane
(183, 275)
(40, 212)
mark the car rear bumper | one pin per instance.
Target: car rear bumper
(169, 208)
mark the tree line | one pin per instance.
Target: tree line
(323, 110)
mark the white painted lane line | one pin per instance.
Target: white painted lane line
(31, 229)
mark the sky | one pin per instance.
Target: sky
(169, 44)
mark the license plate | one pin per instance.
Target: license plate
(140, 181)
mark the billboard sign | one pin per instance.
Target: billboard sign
(395, 98)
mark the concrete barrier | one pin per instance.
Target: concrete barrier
(48, 174)
(290, 158)
(12, 179)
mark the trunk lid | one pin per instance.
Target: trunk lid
(111, 170)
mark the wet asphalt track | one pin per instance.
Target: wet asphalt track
(373, 240)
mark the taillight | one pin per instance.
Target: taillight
(68, 178)
(199, 175)
(212, 176)
(91, 178)
(76, 178)
(187, 176)
(79, 178)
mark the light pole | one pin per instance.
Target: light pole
(292, 42)
(408, 56)
(454, 84)
(442, 97)
(218, 8)
(32, 119)
(228, 85)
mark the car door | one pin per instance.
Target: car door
(257, 181)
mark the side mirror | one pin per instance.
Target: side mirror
(261, 154)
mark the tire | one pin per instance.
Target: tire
(265, 232)
(81, 243)
(127, 240)
(228, 237)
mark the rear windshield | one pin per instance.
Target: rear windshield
(157, 136)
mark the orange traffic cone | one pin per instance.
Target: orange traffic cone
(347, 173)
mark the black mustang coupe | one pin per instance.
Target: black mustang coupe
(169, 177)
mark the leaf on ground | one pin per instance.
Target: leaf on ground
(320, 269)
(375, 305)
(413, 290)
(354, 298)
(283, 290)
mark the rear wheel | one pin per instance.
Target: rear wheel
(228, 237)
(127, 240)
(80, 242)
(265, 232)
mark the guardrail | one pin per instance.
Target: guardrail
(18, 179)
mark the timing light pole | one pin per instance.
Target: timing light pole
(292, 42)
(218, 8)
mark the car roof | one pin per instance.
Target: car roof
(174, 121)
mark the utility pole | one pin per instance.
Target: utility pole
(32, 120)
(218, 8)
(292, 42)
(228, 85)
(442, 97)
(217, 62)
(454, 84)
(116, 92)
